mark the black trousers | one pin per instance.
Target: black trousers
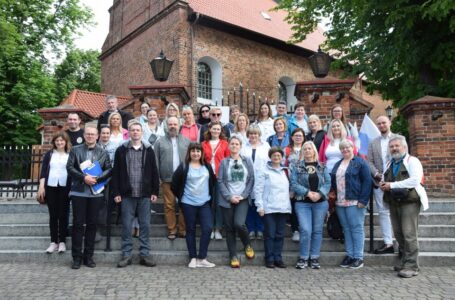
(58, 204)
(85, 211)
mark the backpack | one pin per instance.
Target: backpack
(334, 228)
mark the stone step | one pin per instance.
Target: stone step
(163, 244)
(160, 230)
(31, 206)
(426, 218)
(220, 258)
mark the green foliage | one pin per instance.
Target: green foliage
(405, 48)
(28, 30)
(79, 70)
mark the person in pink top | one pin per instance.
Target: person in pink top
(189, 129)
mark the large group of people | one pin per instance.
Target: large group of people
(240, 179)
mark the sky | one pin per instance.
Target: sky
(93, 37)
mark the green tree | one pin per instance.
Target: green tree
(405, 48)
(79, 70)
(30, 29)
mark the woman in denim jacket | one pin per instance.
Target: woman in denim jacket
(311, 184)
(351, 179)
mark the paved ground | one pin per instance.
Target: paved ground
(38, 281)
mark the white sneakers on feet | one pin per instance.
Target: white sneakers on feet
(212, 235)
(193, 263)
(52, 248)
(218, 235)
(61, 247)
(296, 236)
(204, 263)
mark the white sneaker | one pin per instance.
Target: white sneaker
(212, 235)
(193, 263)
(218, 235)
(296, 236)
(52, 248)
(61, 247)
(204, 263)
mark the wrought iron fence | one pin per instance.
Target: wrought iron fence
(20, 170)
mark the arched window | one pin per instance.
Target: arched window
(204, 81)
(282, 92)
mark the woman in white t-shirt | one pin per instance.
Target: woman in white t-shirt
(264, 121)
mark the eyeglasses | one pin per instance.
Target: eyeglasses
(205, 111)
(216, 115)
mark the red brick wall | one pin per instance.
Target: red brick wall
(433, 142)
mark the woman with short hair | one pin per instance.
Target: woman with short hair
(316, 134)
(281, 136)
(272, 202)
(351, 179)
(257, 151)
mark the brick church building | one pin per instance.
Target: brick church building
(224, 51)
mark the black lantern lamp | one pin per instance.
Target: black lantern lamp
(320, 63)
(161, 67)
(389, 111)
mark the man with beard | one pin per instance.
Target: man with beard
(378, 156)
(403, 191)
(170, 151)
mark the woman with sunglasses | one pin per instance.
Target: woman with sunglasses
(236, 180)
(204, 115)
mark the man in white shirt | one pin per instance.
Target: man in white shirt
(378, 156)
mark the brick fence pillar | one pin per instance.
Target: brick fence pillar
(432, 140)
(328, 93)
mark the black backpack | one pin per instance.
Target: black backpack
(334, 228)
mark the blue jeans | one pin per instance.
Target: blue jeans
(253, 220)
(130, 208)
(192, 215)
(311, 220)
(352, 220)
(274, 226)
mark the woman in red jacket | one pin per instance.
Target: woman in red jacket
(216, 148)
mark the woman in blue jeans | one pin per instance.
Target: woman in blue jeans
(273, 204)
(351, 179)
(193, 184)
(311, 184)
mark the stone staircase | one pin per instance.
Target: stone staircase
(24, 236)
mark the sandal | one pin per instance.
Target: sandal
(171, 236)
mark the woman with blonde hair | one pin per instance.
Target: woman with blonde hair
(310, 182)
(336, 112)
(241, 125)
(172, 110)
(118, 133)
(330, 153)
(316, 134)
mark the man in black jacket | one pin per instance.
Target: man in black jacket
(112, 106)
(86, 203)
(135, 185)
